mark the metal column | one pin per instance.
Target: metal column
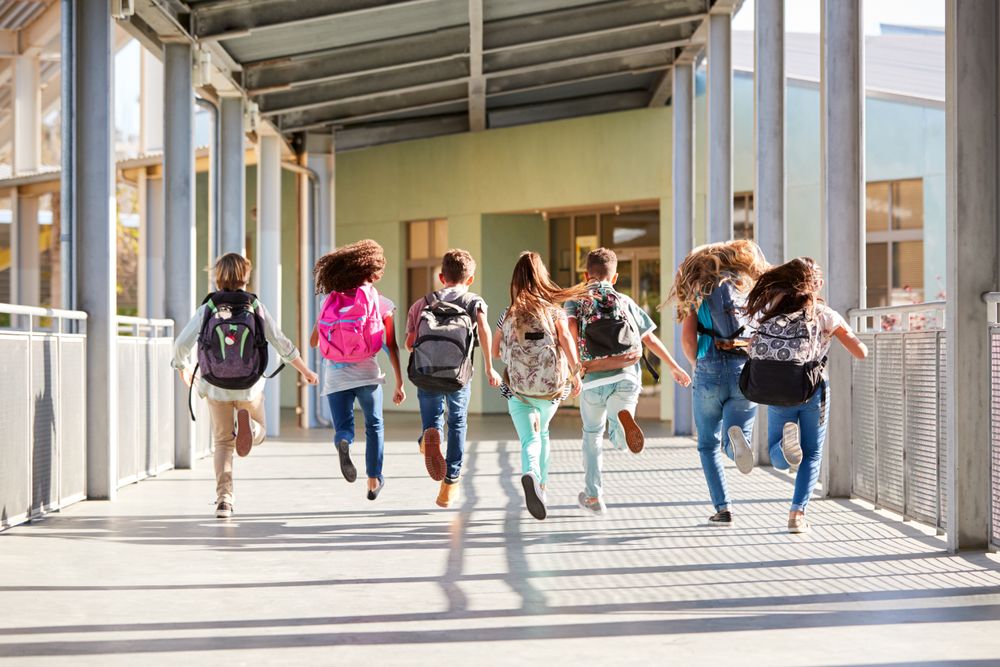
(151, 231)
(27, 137)
(67, 177)
(26, 276)
(154, 250)
(94, 188)
(179, 219)
(682, 100)
(972, 145)
(720, 127)
(268, 264)
(321, 159)
(843, 209)
(232, 178)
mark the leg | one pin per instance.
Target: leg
(813, 418)
(342, 411)
(777, 417)
(225, 443)
(525, 418)
(458, 412)
(258, 419)
(431, 409)
(545, 414)
(370, 400)
(708, 420)
(624, 396)
(432, 406)
(594, 414)
(736, 411)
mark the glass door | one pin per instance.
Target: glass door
(639, 278)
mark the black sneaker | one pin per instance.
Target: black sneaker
(533, 496)
(223, 510)
(347, 468)
(723, 518)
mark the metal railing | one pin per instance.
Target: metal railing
(899, 411)
(993, 330)
(146, 398)
(43, 459)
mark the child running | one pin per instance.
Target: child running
(792, 338)
(354, 324)
(231, 330)
(710, 290)
(442, 331)
(542, 367)
(611, 330)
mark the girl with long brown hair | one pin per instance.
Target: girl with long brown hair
(542, 367)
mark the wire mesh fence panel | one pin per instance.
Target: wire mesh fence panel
(890, 423)
(995, 433)
(44, 443)
(942, 430)
(921, 425)
(128, 408)
(864, 425)
(164, 406)
(15, 415)
(73, 419)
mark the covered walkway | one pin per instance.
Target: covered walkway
(309, 571)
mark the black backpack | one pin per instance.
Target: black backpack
(784, 367)
(728, 322)
(441, 360)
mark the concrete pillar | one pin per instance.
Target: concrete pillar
(720, 127)
(26, 277)
(27, 115)
(67, 177)
(151, 232)
(682, 100)
(179, 217)
(151, 103)
(843, 210)
(232, 178)
(268, 263)
(94, 189)
(153, 240)
(971, 56)
(321, 158)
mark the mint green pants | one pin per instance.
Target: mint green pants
(531, 418)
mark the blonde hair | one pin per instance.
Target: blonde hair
(232, 271)
(532, 292)
(739, 262)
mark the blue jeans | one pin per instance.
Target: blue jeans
(432, 407)
(718, 405)
(598, 406)
(812, 417)
(369, 398)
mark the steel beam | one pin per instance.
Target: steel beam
(720, 128)
(67, 177)
(322, 160)
(232, 177)
(268, 260)
(682, 95)
(477, 83)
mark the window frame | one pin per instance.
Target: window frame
(892, 236)
(747, 199)
(428, 263)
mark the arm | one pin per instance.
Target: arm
(285, 348)
(314, 337)
(568, 344)
(851, 342)
(390, 341)
(486, 342)
(656, 346)
(184, 346)
(689, 338)
(496, 343)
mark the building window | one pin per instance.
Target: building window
(426, 243)
(894, 235)
(743, 216)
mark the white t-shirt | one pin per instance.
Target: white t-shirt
(340, 376)
(829, 321)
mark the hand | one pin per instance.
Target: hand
(187, 377)
(310, 377)
(494, 377)
(681, 377)
(399, 395)
(576, 386)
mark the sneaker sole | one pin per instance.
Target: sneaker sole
(536, 507)
(244, 436)
(799, 531)
(790, 446)
(433, 459)
(347, 468)
(634, 437)
(227, 514)
(742, 452)
(720, 524)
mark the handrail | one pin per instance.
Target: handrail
(36, 311)
(863, 318)
(898, 310)
(144, 321)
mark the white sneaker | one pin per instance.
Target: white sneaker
(595, 506)
(790, 444)
(742, 452)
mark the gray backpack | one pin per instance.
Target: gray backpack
(441, 360)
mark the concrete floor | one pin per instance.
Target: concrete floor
(309, 572)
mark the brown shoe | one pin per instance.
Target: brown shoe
(432, 454)
(448, 494)
(633, 434)
(244, 434)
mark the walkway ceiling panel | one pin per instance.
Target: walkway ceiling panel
(539, 113)
(421, 112)
(642, 62)
(16, 14)
(385, 133)
(495, 10)
(575, 89)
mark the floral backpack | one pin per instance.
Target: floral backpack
(535, 364)
(786, 361)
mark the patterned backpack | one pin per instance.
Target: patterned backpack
(609, 338)
(350, 326)
(784, 367)
(535, 364)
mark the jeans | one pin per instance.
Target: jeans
(598, 406)
(432, 407)
(531, 418)
(718, 405)
(369, 397)
(812, 417)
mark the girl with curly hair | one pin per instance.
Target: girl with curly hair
(354, 324)
(709, 290)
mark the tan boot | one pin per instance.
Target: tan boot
(448, 494)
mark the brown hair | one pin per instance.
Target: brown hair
(602, 263)
(349, 267)
(785, 289)
(457, 266)
(739, 262)
(232, 271)
(532, 291)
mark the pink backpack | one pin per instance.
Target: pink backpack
(350, 325)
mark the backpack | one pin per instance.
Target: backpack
(725, 305)
(609, 339)
(350, 325)
(232, 349)
(784, 367)
(441, 360)
(535, 364)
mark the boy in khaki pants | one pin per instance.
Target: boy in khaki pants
(231, 314)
